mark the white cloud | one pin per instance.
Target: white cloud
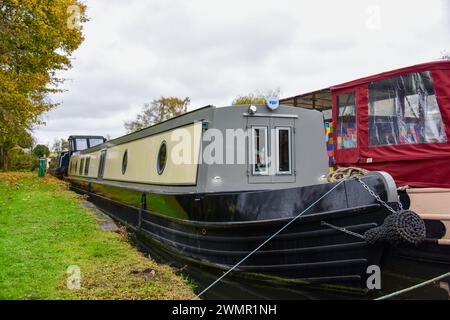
(211, 51)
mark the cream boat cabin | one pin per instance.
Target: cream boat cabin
(137, 160)
(208, 187)
(287, 139)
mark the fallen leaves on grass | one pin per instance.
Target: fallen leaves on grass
(145, 274)
(13, 179)
(132, 280)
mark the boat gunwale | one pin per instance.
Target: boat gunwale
(243, 224)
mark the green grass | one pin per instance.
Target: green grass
(44, 230)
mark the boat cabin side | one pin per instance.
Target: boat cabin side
(212, 149)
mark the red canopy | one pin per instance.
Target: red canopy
(411, 157)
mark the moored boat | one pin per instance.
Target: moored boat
(399, 122)
(211, 185)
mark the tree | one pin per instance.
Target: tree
(21, 160)
(60, 145)
(18, 139)
(41, 151)
(158, 111)
(37, 39)
(256, 97)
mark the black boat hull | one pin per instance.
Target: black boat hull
(305, 252)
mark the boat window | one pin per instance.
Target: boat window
(72, 145)
(162, 158)
(86, 167)
(404, 110)
(125, 162)
(259, 150)
(95, 142)
(76, 167)
(346, 121)
(81, 144)
(101, 166)
(80, 172)
(284, 150)
(327, 115)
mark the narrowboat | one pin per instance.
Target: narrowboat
(399, 122)
(211, 185)
(76, 144)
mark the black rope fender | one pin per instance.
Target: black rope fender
(399, 227)
(403, 227)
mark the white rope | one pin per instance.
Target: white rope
(266, 241)
(396, 293)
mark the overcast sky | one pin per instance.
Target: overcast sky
(213, 50)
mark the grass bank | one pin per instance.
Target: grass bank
(44, 230)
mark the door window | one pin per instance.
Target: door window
(259, 151)
(283, 140)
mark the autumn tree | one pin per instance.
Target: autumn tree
(37, 39)
(41, 151)
(255, 97)
(157, 111)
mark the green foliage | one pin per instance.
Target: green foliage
(37, 39)
(41, 151)
(20, 160)
(19, 138)
(158, 111)
(256, 97)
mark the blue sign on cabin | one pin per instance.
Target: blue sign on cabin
(272, 103)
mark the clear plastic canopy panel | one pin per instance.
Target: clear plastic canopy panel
(404, 110)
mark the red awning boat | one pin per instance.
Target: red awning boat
(396, 121)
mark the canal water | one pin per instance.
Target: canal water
(397, 274)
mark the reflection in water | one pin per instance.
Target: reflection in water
(397, 274)
(402, 273)
(237, 288)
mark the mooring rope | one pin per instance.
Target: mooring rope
(268, 239)
(396, 293)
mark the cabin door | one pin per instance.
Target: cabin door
(270, 150)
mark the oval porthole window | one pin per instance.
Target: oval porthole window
(124, 162)
(162, 158)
